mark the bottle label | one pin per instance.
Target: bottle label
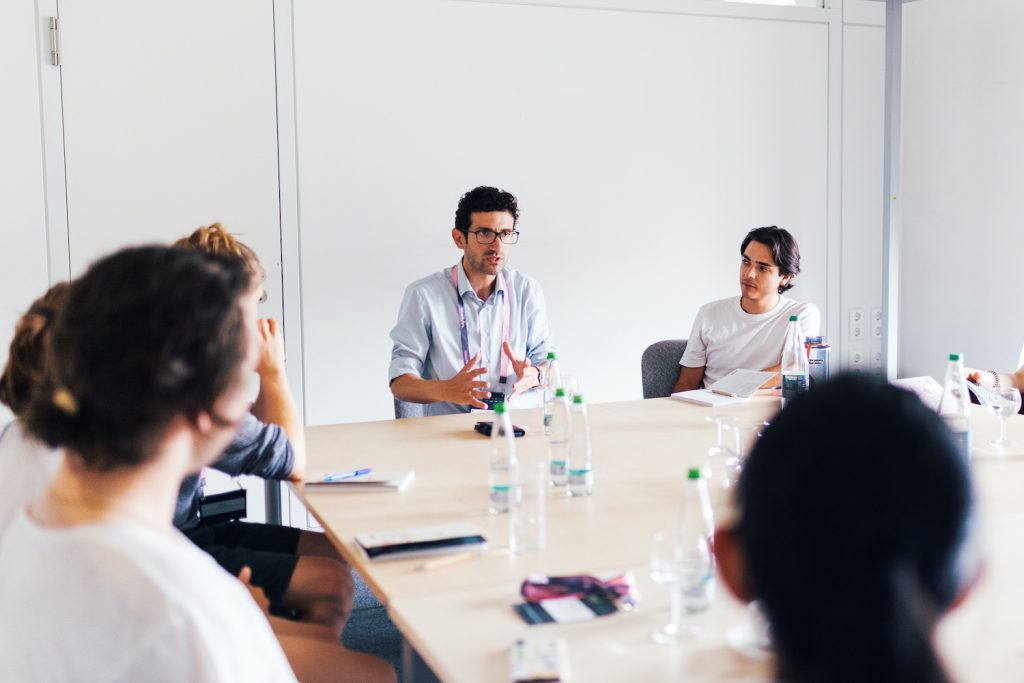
(558, 468)
(547, 420)
(793, 385)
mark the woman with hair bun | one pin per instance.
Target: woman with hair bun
(145, 383)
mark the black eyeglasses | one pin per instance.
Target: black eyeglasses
(485, 236)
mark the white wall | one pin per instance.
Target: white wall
(962, 178)
(23, 269)
(642, 147)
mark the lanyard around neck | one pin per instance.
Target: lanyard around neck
(464, 331)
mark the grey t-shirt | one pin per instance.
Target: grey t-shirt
(258, 448)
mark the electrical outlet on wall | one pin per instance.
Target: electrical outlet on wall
(856, 361)
(858, 324)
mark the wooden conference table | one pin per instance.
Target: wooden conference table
(459, 617)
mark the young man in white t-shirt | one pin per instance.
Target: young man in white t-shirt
(748, 331)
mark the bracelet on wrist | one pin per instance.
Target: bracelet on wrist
(995, 379)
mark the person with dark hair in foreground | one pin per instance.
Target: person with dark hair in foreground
(854, 533)
(749, 331)
(477, 332)
(94, 564)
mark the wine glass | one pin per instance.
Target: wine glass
(720, 457)
(1004, 403)
(746, 432)
(682, 563)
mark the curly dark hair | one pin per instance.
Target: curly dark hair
(484, 198)
(145, 335)
(26, 358)
(785, 252)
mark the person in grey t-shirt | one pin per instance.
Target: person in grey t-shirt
(302, 574)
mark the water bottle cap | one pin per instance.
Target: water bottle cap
(955, 356)
(552, 355)
(577, 398)
(793, 318)
(693, 473)
(559, 392)
(499, 408)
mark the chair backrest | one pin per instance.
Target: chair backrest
(659, 367)
(406, 409)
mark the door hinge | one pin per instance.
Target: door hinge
(55, 41)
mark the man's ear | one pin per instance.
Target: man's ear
(459, 237)
(731, 566)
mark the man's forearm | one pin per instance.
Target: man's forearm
(774, 381)
(275, 405)
(413, 389)
(689, 378)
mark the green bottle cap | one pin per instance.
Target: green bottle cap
(499, 408)
(552, 355)
(793, 318)
(693, 473)
(577, 398)
(559, 392)
(955, 356)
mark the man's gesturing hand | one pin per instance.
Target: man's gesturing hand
(465, 389)
(526, 374)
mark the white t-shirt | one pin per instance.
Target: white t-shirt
(121, 602)
(725, 337)
(26, 468)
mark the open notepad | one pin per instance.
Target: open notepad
(736, 387)
(372, 481)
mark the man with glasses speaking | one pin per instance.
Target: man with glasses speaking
(475, 333)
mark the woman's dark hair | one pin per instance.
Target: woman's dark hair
(26, 357)
(855, 523)
(484, 199)
(145, 335)
(785, 252)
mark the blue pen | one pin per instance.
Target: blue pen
(338, 476)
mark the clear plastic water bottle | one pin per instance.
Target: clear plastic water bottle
(955, 405)
(552, 381)
(581, 463)
(698, 523)
(795, 367)
(504, 476)
(558, 439)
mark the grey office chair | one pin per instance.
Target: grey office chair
(406, 409)
(659, 367)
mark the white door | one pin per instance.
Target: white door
(169, 123)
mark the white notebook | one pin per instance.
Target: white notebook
(372, 481)
(736, 387)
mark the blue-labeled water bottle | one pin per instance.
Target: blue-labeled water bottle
(795, 368)
(503, 482)
(552, 382)
(955, 404)
(558, 438)
(581, 463)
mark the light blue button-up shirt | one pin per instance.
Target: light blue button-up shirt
(427, 342)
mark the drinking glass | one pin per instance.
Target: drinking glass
(1004, 404)
(528, 518)
(746, 431)
(682, 563)
(720, 459)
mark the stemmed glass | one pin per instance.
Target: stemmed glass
(720, 457)
(745, 431)
(1004, 404)
(682, 563)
